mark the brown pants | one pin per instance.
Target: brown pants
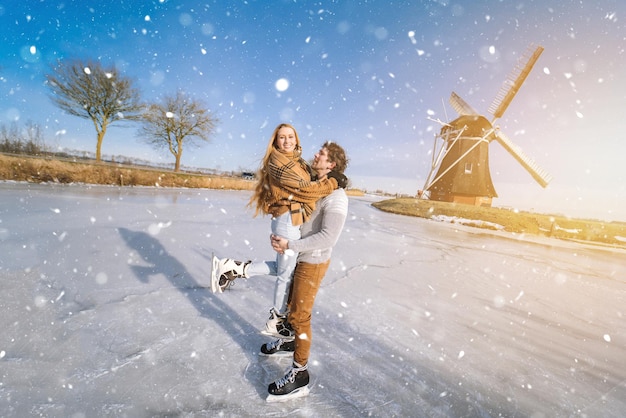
(306, 282)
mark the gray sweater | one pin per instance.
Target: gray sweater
(322, 231)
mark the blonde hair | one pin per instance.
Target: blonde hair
(262, 189)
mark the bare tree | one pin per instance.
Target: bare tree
(175, 121)
(90, 91)
(22, 140)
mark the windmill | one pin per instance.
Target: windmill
(460, 165)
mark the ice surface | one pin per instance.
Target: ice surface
(106, 311)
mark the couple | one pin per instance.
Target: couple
(304, 250)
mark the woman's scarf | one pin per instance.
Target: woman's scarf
(291, 187)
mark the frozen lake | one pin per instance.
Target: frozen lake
(105, 312)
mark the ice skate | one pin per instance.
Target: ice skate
(283, 331)
(274, 323)
(224, 271)
(293, 385)
(278, 348)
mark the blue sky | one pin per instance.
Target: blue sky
(367, 74)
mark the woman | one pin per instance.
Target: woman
(286, 191)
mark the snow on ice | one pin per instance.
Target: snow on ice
(106, 312)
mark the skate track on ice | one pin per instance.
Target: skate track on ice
(106, 311)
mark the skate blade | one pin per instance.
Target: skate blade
(298, 393)
(215, 281)
(278, 354)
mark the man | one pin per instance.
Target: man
(319, 235)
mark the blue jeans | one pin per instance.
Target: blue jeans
(284, 265)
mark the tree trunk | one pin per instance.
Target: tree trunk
(99, 147)
(179, 143)
(99, 144)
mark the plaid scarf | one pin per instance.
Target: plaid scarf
(291, 188)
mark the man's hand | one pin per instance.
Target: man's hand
(279, 244)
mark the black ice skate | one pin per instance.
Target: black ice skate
(293, 385)
(278, 348)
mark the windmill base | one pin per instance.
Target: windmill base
(483, 201)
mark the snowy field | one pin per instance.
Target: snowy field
(105, 311)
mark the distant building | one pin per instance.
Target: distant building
(248, 175)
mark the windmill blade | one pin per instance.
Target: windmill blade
(461, 106)
(514, 81)
(539, 174)
(436, 162)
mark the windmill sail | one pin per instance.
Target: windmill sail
(514, 81)
(461, 106)
(540, 175)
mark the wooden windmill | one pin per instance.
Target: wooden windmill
(460, 166)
